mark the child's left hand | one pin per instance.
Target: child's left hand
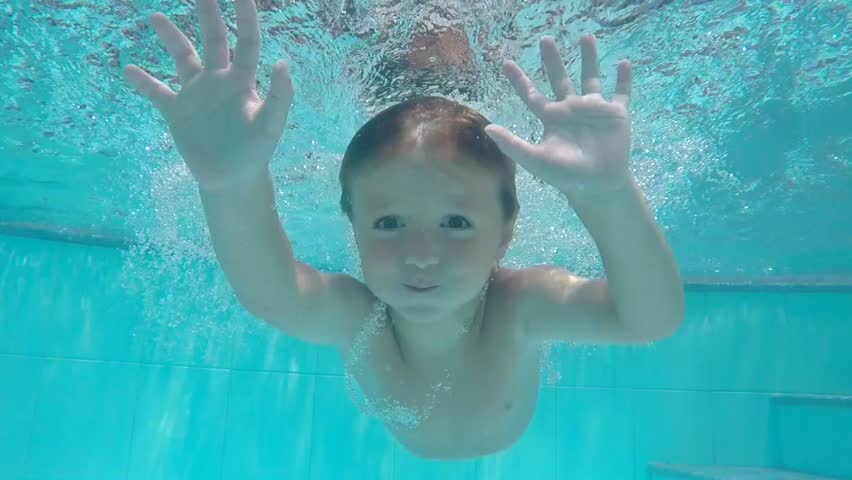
(586, 143)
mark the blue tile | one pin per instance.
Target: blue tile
(17, 278)
(180, 423)
(817, 342)
(815, 437)
(19, 377)
(83, 407)
(675, 363)
(594, 429)
(190, 320)
(587, 365)
(74, 299)
(535, 453)
(328, 361)
(668, 476)
(777, 342)
(742, 429)
(346, 444)
(258, 346)
(205, 344)
(672, 427)
(410, 467)
(270, 418)
(36, 277)
(91, 316)
(747, 341)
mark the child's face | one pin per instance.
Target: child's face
(427, 222)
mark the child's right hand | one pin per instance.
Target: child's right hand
(224, 131)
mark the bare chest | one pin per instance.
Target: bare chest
(474, 404)
(484, 406)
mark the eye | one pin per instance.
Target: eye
(387, 223)
(457, 222)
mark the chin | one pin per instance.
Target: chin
(429, 307)
(420, 311)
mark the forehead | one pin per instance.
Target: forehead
(419, 177)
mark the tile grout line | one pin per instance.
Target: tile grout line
(311, 430)
(160, 364)
(714, 440)
(232, 348)
(36, 400)
(714, 380)
(772, 393)
(394, 460)
(225, 428)
(633, 427)
(556, 431)
(697, 283)
(133, 421)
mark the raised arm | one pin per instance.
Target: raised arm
(227, 136)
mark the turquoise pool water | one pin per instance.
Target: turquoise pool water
(124, 355)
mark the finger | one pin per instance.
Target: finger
(559, 80)
(247, 51)
(515, 147)
(525, 88)
(272, 116)
(215, 38)
(179, 47)
(624, 84)
(149, 87)
(591, 76)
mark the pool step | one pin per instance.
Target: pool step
(813, 433)
(830, 401)
(664, 471)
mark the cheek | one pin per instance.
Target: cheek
(376, 258)
(478, 248)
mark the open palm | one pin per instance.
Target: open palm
(223, 130)
(586, 141)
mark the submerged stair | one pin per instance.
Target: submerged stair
(813, 433)
(663, 471)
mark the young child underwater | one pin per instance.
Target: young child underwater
(439, 337)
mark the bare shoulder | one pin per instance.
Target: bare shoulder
(351, 302)
(531, 293)
(517, 286)
(530, 283)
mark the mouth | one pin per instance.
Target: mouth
(419, 289)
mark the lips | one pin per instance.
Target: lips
(420, 289)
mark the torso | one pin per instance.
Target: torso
(477, 404)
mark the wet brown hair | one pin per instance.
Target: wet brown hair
(443, 122)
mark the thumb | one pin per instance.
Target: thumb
(272, 115)
(510, 144)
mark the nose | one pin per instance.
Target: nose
(421, 262)
(421, 252)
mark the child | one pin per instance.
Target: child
(434, 61)
(430, 55)
(441, 340)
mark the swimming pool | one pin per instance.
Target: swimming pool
(123, 353)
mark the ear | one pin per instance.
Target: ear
(506, 236)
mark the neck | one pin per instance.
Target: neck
(440, 336)
(433, 337)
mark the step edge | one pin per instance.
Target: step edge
(688, 470)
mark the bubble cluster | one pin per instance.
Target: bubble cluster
(738, 134)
